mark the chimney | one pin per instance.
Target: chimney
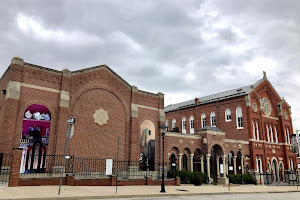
(196, 100)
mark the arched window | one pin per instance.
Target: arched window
(227, 115)
(271, 133)
(183, 125)
(184, 162)
(291, 165)
(203, 120)
(173, 162)
(268, 134)
(239, 118)
(253, 127)
(173, 124)
(167, 124)
(276, 135)
(259, 165)
(212, 119)
(257, 131)
(192, 125)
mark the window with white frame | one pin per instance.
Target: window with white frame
(253, 127)
(271, 133)
(212, 119)
(167, 124)
(239, 118)
(183, 125)
(291, 165)
(203, 120)
(227, 115)
(259, 165)
(288, 136)
(268, 134)
(257, 131)
(276, 135)
(192, 125)
(173, 124)
(285, 135)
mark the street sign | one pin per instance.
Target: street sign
(71, 120)
(109, 165)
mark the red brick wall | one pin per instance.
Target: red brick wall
(89, 90)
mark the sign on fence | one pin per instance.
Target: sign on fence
(109, 165)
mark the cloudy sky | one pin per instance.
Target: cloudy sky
(185, 49)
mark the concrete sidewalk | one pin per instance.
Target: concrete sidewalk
(107, 192)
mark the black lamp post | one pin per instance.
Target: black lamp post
(205, 163)
(163, 129)
(242, 180)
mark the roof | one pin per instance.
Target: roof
(215, 97)
(210, 128)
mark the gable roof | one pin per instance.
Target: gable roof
(215, 97)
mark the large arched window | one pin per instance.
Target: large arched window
(271, 133)
(183, 125)
(173, 124)
(192, 125)
(203, 120)
(288, 136)
(239, 118)
(276, 135)
(35, 137)
(257, 131)
(227, 115)
(268, 134)
(212, 119)
(253, 127)
(167, 124)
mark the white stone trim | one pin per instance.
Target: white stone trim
(275, 118)
(39, 87)
(181, 135)
(237, 141)
(13, 90)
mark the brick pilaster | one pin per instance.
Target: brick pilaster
(15, 167)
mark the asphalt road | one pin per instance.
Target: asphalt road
(261, 196)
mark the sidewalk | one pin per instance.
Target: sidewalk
(107, 192)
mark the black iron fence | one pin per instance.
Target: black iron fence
(5, 163)
(86, 168)
(290, 178)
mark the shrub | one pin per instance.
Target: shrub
(236, 179)
(196, 178)
(172, 174)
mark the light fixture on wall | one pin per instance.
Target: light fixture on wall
(3, 91)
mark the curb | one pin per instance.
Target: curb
(146, 195)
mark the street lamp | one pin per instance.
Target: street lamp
(240, 148)
(163, 129)
(205, 142)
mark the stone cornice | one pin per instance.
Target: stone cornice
(181, 135)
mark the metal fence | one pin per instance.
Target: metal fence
(290, 178)
(5, 163)
(36, 166)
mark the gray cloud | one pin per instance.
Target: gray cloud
(184, 49)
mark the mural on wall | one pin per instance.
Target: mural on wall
(147, 145)
(35, 138)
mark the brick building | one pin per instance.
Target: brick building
(36, 102)
(255, 117)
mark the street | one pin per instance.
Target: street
(264, 196)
